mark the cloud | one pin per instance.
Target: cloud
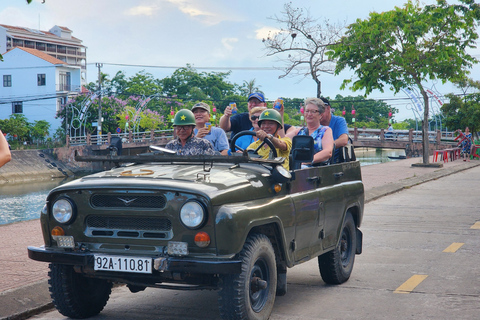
(194, 10)
(141, 11)
(264, 32)
(228, 43)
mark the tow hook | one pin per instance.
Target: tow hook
(258, 284)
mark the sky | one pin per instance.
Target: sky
(159, 36)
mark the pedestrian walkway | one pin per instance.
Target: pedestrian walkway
(23, 282)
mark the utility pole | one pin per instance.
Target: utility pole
(99, 123)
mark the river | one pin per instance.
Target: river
(21, 202)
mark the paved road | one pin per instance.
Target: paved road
(403, 273)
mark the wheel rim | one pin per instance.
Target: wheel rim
(258, 296)
(345, 245)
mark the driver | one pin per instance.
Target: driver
(186, 143)
(270, 123)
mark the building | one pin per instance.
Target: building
(57, 42)
(40, 70)
(36, 84)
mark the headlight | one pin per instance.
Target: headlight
(62, 210)
(192, 214)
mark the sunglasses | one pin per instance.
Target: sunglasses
(253, 118)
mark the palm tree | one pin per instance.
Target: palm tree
(250, 86)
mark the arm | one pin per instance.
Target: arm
(5, 155)
(327, 148)
(225, 119)
(341, 141)
(277, 143)
(292, 132)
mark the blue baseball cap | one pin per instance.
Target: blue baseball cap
(257, 95)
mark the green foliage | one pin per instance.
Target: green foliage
(464, 111)
(406, 46)
(187, 84)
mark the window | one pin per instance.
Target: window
(65, 81)
(41, 79)
(7, 80)
(17, 107)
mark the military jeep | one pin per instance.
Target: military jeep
(227, 223)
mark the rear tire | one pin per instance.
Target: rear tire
(336, 266)
(75, 295)
(240, 296)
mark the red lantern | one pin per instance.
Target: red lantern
(390, 114)
(302, 110)
(213, 108)
(353, 112)
(171, 112)
(343, 112)
(126, 117)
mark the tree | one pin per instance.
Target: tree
(249, 87)
(211, 86)
(464, 111)
(407, 46)
(302, 43)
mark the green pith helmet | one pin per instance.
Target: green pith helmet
(271, 114)
(184, 117)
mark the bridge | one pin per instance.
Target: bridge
(409, 140)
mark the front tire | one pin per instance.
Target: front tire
(250, 295)
(75, 295)
(336, 266)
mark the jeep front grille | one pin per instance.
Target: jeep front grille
(128, 201)
(129, 227)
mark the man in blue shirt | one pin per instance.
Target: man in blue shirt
(338, 126)
(241, 122)
(216, 136)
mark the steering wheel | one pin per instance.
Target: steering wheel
(269, 142)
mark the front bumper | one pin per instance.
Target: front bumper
(169, 264)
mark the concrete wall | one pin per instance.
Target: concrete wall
(29, 165)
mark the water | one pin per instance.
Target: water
(21, 202)
(369, 156)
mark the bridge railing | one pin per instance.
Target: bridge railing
(356, 134)
(127, 137)
(399, 135)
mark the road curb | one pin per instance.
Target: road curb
(378, 192)
(24, 302)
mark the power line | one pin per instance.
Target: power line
(176, 67)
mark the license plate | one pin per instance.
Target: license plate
(123, 264)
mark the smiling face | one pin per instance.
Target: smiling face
(312, 115)
(254, 102)
(201, 116)
(254, 118)
(184, 132)
(269, 126)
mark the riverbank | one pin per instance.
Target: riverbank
(38, 165)
(23, 282)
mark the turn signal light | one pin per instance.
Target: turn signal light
(202, 239)
(58, 231)
(277, 188)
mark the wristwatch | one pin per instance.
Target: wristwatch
(270, 136)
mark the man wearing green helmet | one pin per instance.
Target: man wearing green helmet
(270, 123)
(186, 143)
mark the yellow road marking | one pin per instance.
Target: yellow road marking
(476, 225)
(453, 247)
(411, 283)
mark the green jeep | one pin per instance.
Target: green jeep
(232, 224)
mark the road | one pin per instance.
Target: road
(403, 273)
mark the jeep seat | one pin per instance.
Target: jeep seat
(302, 151)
